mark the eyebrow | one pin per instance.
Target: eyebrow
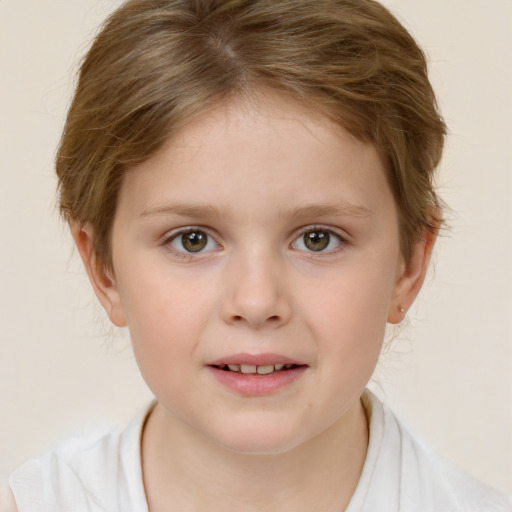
(194, 211)
(342, 209)
(184, 210)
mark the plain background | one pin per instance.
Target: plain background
(448, 375)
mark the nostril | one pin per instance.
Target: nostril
(271, 319)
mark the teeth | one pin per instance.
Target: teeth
(260, 370)
(263, 370)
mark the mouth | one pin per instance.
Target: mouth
(257, 375)
(248, 369)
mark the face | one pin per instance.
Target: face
(256, 260)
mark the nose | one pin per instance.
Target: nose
(256, 294)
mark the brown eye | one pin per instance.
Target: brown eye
(193, 241)
(317, 240)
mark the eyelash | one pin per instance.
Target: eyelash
(167, 242)
(342, 241)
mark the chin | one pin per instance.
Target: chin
(259, 441)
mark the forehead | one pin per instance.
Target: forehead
(264, 120)
(268, 148)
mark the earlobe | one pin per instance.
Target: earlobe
(411, 278)
(101, 278)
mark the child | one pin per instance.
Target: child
(249, 184)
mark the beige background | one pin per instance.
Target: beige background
(449, 375)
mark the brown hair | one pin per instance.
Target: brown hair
(156, 64)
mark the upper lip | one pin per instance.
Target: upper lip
(255, 359)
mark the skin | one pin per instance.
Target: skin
(256, 288)
(7, 502)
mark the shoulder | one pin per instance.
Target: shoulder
(74, 474)
(90, 472)
(453, 486)
(448, 488)
(7, 503)
(402, 473)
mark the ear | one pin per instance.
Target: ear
(101, 278)
(411, 277)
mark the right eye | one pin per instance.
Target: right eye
(192, 241)
(319, 240)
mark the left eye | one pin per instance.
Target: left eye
(193, 241)
(318, 240)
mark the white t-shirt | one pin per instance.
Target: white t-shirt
(104, 473)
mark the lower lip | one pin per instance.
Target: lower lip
(252, 384)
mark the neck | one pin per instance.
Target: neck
(321, 474)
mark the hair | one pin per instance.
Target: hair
(156, 64)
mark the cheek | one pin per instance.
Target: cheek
(157, 298)
(166, 317)
(348, 313)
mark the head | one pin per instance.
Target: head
(157, 65)
(250, 107)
